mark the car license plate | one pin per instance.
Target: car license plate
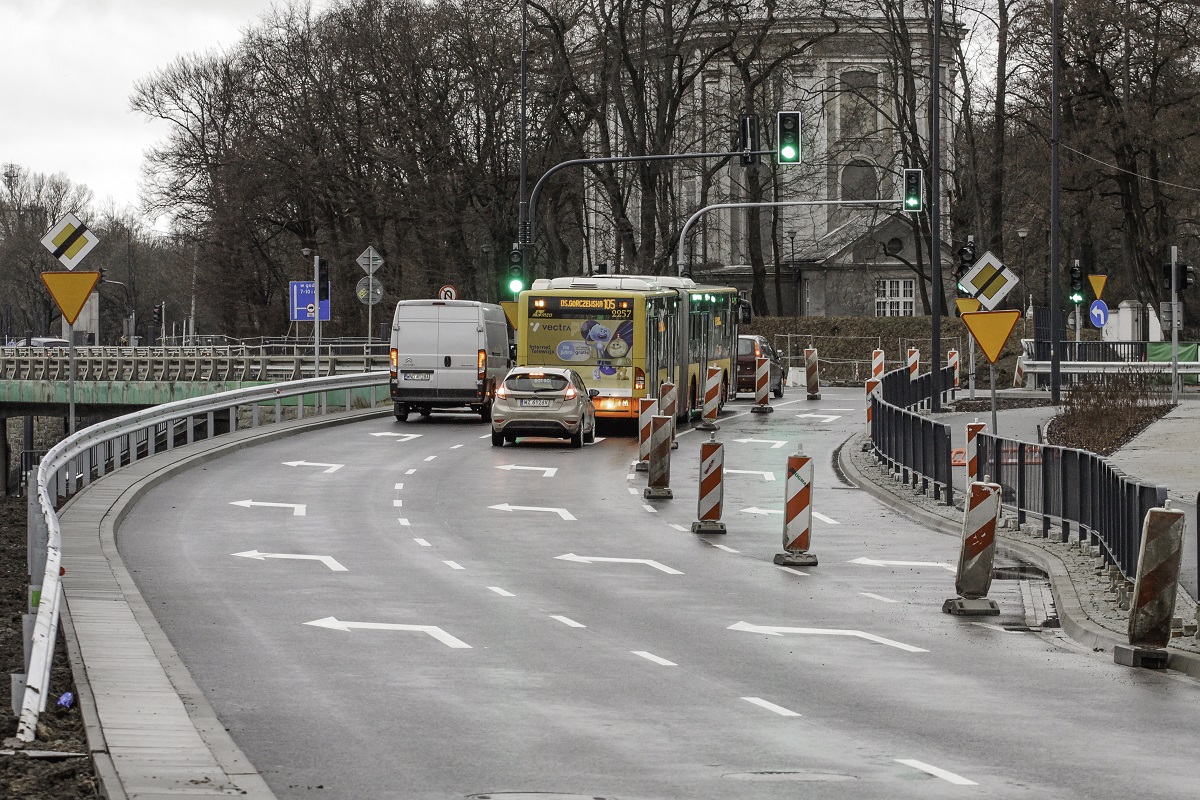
(535, 402)
(416, 376)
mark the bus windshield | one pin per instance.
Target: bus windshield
(592, 335)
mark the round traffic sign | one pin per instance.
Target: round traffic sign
(311, 308)
(448, 292)
(1098, 313)
(369, 290)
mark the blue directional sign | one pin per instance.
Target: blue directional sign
(302, 302)
(1098, 313)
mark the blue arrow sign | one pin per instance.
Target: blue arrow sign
(302, 302)
(1098, 313)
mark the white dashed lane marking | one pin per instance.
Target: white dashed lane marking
(726, 548)
(501, 592)
(780, 710)
(567, 621)
(880, 598)
(422, 542)
(410, 472)
(650, 508)
(455, 447)
(654, 658)
(823, 518)
(937, 772)
(453, 565)
(430, 458)
(399, 486)
(792, 569)
(403, 521)
(397, 504)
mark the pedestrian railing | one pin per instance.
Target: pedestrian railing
(915, 448)
(107, 446)
(1064, 487)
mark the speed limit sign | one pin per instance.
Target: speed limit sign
(448, 292)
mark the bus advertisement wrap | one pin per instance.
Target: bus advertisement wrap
(592, 335)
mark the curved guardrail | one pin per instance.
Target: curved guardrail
(914, 446)
(102, 448)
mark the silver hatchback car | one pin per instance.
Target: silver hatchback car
(543, 401)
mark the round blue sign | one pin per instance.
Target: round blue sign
(1098, 313)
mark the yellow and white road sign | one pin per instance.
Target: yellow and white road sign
(70, 290)
(989, 280)
(70, 241)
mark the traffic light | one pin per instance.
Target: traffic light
(787, 137)
(1076, 295)
(103, 275)
(516, 271)
(1185, 276)
(322, 280)
(914, 190)
(966, 260)
(158, 314)
(748, 141)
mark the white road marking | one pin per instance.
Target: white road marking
(632, 490)
(873, 562)
(792, 569)
(823, 518)
(650, 508)
(331, 467)
(648, 562)
(654, 658)
(455, 447)
(403, 521)
(486, 435)
(679, 527)
(453, 565)
(773, 630)
(567, 621)
(501, 592)
(397, 503)
(328, 561)
(297, 508)
(562, 512)
(767, 476)
(880, 598)
(399, 486)
(937, 772)
(726, 548)
(430, 458)
(410, 472)
(333, 623)
(547, 472)
(780, 710)
(422, 542)
(599, 439)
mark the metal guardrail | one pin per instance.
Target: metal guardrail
(1071, 486)
(107, 446)
(915, 447)
(266, 362)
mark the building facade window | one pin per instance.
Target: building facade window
(860, 181)
(858, 104)
(894, 297)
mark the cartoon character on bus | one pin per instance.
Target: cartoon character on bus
(610, 348)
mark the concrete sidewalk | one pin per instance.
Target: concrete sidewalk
(1166, 453)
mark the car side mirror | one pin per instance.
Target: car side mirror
(593, 392)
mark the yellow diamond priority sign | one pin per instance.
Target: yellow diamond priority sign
(69, 241)
(991, 329)
(70, 290)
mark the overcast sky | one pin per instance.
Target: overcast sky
(67, 71)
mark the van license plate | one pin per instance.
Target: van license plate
(535, 403)
(416, 376)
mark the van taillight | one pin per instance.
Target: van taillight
(481, 365)
(395, 359)
(639, 379)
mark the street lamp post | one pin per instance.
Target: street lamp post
(795, 276)
(306, 252)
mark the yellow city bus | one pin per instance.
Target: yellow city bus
(628, 334)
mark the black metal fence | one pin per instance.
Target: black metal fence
(913, 446)
(1074, 487)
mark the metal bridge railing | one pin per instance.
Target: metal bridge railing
(107, 446)
(1069, 486)
(915, 447)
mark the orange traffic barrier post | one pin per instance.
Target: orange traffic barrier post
(646, 408)
(666, 407)
(973, 430)
(797, 513)
(952, 361)
(1152, 606)
(659, 475)
(712, 398)
(812, 373)
(876, 363)
(914, 363)
(973, 578)
(762, 386)
(958, 457)
(872, 388)
(712, 487)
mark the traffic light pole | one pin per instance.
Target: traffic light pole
(316, 317)
(1174, 325)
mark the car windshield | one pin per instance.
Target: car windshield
(745, 347)
(536, 383)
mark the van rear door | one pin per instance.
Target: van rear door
(459, 341)
(417, 349)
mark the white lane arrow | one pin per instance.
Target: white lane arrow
(328, 561)
(871, 562)
(773, 630)
(562, 512)
(404, 437)
(331, 467)
(547, 472)
(822, 417)
(646, 561)
(757, 510)
(297, 508)
(767, 476)
(775, 443)
(333, 623)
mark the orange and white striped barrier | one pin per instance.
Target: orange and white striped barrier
(712, 487)
(1019, 373)
(914, 363)
(812, 373)
(952, 362)
(977, 554)
(666, 407)
(712, 399)
(1152, 605)
(797, 513)
(877, 365)
(762, 386)
(872, 388)
(647, 406)
(658, 483)
(973, 430)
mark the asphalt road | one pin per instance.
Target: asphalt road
(622, 680)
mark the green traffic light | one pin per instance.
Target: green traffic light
(913, 202)
(787, 152)
(1076, 298)
(516, 285)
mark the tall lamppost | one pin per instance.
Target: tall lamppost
(306, 252)
(795, 277)
(485, 252)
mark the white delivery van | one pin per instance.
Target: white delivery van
(447, 354)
